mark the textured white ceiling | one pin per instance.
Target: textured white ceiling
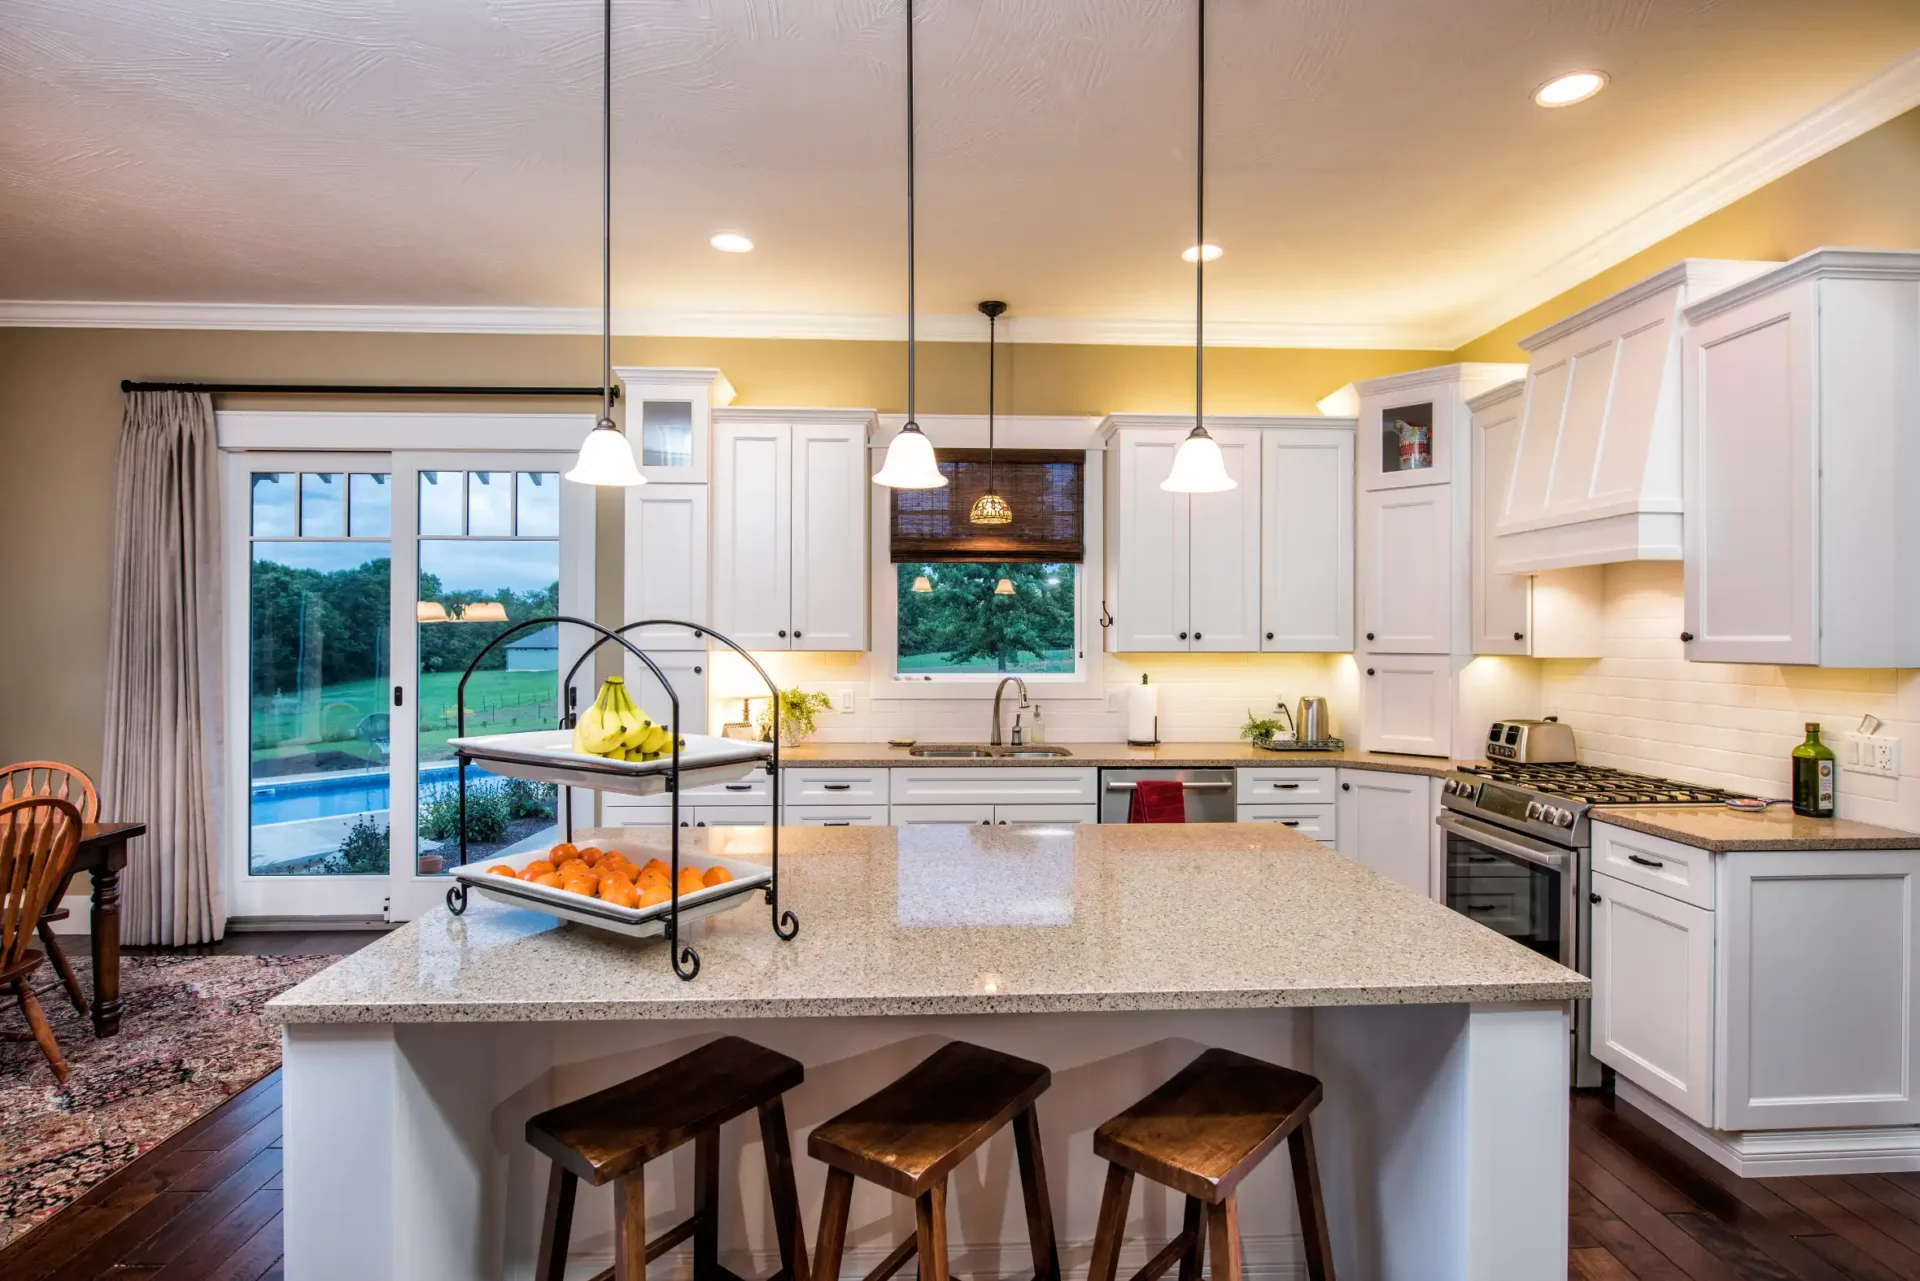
(1372, 162)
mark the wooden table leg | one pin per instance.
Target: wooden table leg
(105, 924)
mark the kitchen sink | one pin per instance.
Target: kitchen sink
(981, 751)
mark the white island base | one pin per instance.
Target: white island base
(1442, 1139)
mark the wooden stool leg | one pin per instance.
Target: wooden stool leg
(630, 1227)
(778, 1147)
(1033, 1182)
(930, 1231)
(63, 967)
(1223, 1225)
(556, 1225)
(1111, 1228)
(832, 1237)
(1194, 1227)
(1313, 1209)
(42, 1030)
(706, 1205)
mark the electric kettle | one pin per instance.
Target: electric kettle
(1313, 721)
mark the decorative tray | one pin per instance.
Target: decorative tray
(633, 922)
(1301, 744)
(547, 756)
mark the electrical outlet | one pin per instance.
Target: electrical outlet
(1877, 754)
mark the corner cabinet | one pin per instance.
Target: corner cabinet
(1802, 389)
(1267, 565)
(1385, 822)
(790, 564)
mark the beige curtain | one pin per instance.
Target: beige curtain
(163, 716)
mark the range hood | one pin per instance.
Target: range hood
(1597, 470)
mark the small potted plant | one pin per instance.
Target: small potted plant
(798, 707)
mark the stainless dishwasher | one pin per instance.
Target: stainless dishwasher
(1209, 792)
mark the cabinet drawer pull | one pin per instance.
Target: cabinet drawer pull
(739, 787)
(838, 822)
(1645, 862)
(1289, 822)
(1481, 907)
(1285, 787)
(836, 787)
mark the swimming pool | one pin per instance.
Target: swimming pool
(349, 792)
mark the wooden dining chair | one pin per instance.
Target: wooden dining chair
(51, 778)
(37, 839)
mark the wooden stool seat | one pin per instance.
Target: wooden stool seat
(910, 1135)
(609, 1136)
(1200, 1134)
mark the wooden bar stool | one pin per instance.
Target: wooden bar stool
(908, 1137)
(1201, 1133)
(613, 1134)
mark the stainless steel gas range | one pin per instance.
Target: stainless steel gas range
(1519, 856)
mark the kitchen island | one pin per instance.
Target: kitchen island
(1111, 954)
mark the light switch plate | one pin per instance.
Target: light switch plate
(843, 701)
(1876, 754)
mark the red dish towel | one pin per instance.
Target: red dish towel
(1158, 801)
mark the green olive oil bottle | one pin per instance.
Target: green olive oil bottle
(1813, 766)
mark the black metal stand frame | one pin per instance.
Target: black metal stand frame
(686, 961)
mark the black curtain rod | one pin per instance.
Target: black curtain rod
(355, 389)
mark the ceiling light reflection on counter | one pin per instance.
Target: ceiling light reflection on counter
(728, 242)
(1576, 86)
(1201, 253)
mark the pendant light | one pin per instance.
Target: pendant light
(1003, 588)
(990, 508)
(922, 584)
(605, 456)
(910, 463)
(1198, 467)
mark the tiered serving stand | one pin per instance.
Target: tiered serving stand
(547, 756)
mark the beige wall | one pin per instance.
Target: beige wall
(60, 416)
(1864, 195)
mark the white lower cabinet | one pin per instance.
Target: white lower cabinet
(837, 816)
(951, 786)
(690, 815)
(1653, 993)
(1044, 815)
(1315, 821)
(1406, 703)
(941, 815)
(1385, 821)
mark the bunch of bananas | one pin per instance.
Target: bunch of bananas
(615, 728)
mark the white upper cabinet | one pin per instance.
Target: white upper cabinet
(1802, 395)
(666, 563)
(1407, 553)
(669, 419)
(790, 528)
(1502, 608)
(1406, 703)
(1306, 537)
(1596, 473)
(1267, 565)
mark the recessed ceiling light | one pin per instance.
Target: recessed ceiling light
(728, 242)
(1564, 91)
(1201, 253)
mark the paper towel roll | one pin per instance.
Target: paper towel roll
(1143, 713)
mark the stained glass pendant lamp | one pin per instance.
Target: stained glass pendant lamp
(606, 458)
(990, 508)
(910, 463)
(1198, 467)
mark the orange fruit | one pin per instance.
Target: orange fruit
(539, 867)
(562, 852)
(591, 856)
(618, 892)
(717, 875)
(654, 864)
(501, 869)
(650, 876)
(653, 893)
(549, 879)
(690, 880)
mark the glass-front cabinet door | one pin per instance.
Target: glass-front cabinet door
(364, 586)
(669, 418)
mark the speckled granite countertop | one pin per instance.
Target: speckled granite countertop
(963, 920)
(1110, 755)
(1721, 830)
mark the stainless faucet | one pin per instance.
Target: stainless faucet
(998, 690)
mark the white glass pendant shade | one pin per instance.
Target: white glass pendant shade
(430, 611)
(922, 584)
(484, 611)
(1003, 588)
(606, 459)
(910, 463)
(1198, 467)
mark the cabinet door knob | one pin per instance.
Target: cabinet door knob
(1369, 671)
(783, 633)
(1519, 635)
(1369, 635)
(696, 669)
(1196, 635)
(1346, 787)
(1593, 898)
(796, 633)
(1183, 635)
(1686, 636)
(1269, 635)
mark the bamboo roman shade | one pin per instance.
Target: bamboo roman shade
(1045, 488)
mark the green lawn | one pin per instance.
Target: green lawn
(1053, 660)
(497, 703)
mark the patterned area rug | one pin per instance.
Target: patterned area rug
(191, 1037)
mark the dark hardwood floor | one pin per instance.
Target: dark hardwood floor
(205, 1205)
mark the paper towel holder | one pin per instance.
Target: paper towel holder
(1147, 742)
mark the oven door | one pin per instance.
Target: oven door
(1514, 885)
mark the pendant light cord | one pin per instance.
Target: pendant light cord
(910, 220)
(1200, 230)
(606, 214)
(993, 324)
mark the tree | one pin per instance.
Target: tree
(966, 620)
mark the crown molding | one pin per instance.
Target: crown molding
(30, 314)
(1499, 395)
(1866, 106)
(1825, 264)
(1697, 277)
(1464, 373)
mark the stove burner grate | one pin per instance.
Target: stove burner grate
(1599, 785)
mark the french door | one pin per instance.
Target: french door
(360, 586)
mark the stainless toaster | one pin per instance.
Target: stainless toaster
(1531, 741)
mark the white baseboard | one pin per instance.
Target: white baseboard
(1264, 1258)
(1773, 1154)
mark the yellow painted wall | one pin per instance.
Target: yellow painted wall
(1863, 195)
(60, 421)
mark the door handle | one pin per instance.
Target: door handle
(398, 695)
(1645, 862)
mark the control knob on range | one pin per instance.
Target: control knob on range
(1564, 818)
(1535, 810)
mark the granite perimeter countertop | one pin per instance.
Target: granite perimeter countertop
(1119, 755)
(1723, 830)
(962, 920)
